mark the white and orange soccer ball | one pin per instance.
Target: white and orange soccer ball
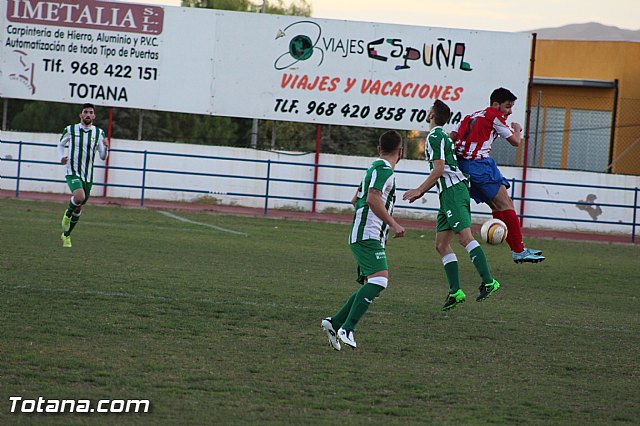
(494, 231)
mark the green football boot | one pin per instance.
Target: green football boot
(487, 290)
(66, 222)
(453, 300)
(66, 240)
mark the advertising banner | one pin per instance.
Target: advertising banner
(252, 65)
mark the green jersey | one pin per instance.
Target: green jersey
(83, 143)
(440, 147)
(366, 225)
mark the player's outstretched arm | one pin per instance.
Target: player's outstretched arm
(355, 197)
(64, 140)
(436, 173)
(515, 139)
(103, 146)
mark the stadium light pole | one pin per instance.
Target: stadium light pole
(254, 123)
(315, 168)
(140, 124)
(106, 164)
(523, 187)
(5, 110)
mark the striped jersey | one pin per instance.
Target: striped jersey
(440, 147)
(366, 225)
(83, 142)
(477, 132)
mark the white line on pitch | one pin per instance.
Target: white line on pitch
(218, 228)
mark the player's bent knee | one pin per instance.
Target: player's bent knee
(381, 281)
(501, 201)
(442, 248)
(465, 237)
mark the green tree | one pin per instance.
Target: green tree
(286, 135)
(200, 129)
(296, 8)
(39, 116)
(414, 146)
(237, 5)
(350, 140)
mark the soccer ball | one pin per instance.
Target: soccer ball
(494, 231)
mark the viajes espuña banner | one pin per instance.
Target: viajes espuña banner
(252, 65)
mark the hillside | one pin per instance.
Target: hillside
(591, 31)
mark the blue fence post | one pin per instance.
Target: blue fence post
(266, 195)
(18, 174)
(513, 193)
(144, 177)
(635, 215)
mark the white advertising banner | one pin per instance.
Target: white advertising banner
(253, 65)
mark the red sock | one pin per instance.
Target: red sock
(514, 237)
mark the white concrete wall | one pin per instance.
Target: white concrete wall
(222, 187)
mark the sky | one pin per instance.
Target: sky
(490, 15)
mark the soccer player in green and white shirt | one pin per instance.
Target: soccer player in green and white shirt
(371, 222)
(83, 139)
(454, 215)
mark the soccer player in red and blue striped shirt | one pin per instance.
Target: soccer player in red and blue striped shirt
(473, 140)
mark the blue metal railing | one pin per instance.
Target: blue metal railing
(270, 180)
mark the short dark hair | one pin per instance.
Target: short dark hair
(501, 95)
(441, 111)
(87, 105)
(390, 141)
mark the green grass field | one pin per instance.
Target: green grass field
(219, 328)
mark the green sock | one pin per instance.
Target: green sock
(453, 276)
(480, 262)
(70, 209)
(361, 303)
(338, 319)
(74, 222)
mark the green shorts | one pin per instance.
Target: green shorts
(455, 210)
(74, 182)
(370, 258)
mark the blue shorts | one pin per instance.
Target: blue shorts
(485, 178)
